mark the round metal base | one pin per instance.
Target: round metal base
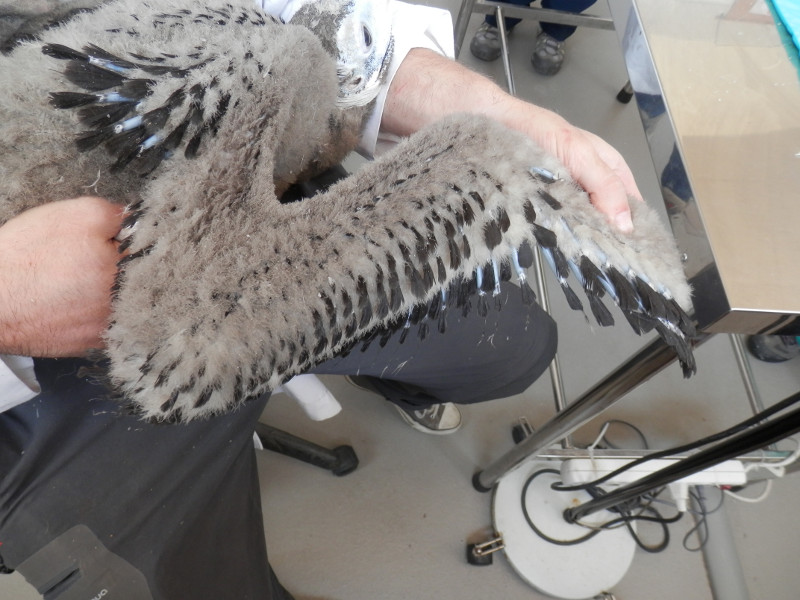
(572, 572)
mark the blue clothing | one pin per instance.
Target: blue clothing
(559, 32)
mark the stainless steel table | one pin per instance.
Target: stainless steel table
(732, 125)
(720, 103)
(720, 100)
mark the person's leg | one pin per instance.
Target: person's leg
(562, 32)
(485, 44)
(476, 359)
(456, 366)
(94, 499)
(509, 23)
(774, 348)
(549, 51)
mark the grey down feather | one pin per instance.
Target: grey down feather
(198, 114)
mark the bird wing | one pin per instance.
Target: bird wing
(112, 92)
(225, 293)
(428, 229)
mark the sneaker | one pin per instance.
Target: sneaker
(437, 419)
(486, 43)
(548, 55)
(774, 348)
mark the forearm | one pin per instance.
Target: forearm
(13, 325)
(428, 86)
(58, 267)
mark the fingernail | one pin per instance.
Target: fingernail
(623, 222)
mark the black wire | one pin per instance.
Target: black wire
(535, 529)
(626, 518)
(630, 425)
(701, 526)
(793, 399)
(642, 504)
(664, 522)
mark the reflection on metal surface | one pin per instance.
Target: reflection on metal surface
(523, 12)
(720, 103)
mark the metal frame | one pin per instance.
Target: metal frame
(521, 12)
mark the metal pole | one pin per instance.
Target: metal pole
(556, 381)
(747, 373)
(639, 368)
(501, 28)
(541, 285)
(724, 569)
(462, 21)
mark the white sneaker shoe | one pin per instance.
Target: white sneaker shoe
(437, 419)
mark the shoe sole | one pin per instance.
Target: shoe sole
(414, 424)
(421, 428)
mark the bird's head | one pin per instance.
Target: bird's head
(358, 34)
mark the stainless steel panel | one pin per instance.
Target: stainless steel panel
(720, 101)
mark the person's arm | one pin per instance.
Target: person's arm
(58, 267)
(428, 86)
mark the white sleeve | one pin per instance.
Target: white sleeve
(413, 26)
(17, 381)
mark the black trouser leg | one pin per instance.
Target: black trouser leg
(93, 499)
(476, 359)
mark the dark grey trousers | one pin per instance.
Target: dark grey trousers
(95, 503)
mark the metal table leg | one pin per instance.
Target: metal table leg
(640, 367)
(462, 21)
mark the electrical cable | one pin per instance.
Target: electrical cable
(700, 527)
(643, 504)
(778, 469)
(638, 432)
(635, 509)
(739, 427)
(535, 529)
(754, 500)
(626, 519)
(750, 440)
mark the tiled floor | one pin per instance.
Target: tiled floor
(396, 528)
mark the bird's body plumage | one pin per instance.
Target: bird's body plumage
(225, 292)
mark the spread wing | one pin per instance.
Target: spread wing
(430, 228)
(145, 106)
(111, 104)
(225, 293)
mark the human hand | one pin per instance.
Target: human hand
(597, 166)
(428, 86)
(59, 263)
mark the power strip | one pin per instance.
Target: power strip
(577, 471)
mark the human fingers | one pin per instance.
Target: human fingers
(603, 173)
